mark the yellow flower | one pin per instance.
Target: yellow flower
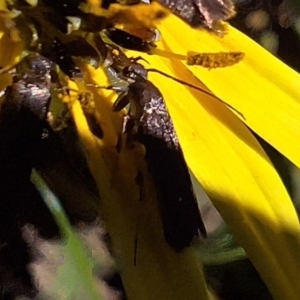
(220, 151)
(223, 154)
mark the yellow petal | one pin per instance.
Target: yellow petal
(261, 87)
(8, 58)
(239, 178)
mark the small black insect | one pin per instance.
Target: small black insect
(128, 40)
(149, 123)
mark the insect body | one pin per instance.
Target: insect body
(129, 41)
(214, 60)
(150, 123)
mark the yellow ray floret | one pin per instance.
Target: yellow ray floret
(264, 89)
(224, 155)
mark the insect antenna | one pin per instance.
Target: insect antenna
(137, 59)
(196, 88)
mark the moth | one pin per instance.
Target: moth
(149, 123)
